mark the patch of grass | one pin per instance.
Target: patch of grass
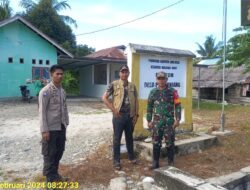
(232, 152)
(17, 179)
(244, 127)
(39, 178)
(11, 175)
(204, 105)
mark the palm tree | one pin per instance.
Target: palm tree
(210, 48)
(56, 5)
(5, 10)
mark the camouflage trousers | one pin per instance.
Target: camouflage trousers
(163, 129)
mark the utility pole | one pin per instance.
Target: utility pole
(224, 62)
(199, 90)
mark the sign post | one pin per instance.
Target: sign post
(245, 12)
(145, 61)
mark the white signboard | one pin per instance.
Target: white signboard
(174, 67)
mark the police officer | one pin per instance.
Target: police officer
(163, 115)
(54, 119)
(125, 113)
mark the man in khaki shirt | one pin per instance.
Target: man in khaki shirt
(125, 113)
(54, 119)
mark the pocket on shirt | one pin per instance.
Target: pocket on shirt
(131, 89)
(116, 93)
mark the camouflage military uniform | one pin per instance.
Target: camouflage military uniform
(163, 107)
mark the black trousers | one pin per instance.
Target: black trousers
(52, 152)
(120, 124)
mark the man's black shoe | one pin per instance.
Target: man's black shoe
(61, 178)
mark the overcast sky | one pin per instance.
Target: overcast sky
(180, 26)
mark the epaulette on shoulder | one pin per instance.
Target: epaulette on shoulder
(46, 88)
(171, 88)
(45, 91)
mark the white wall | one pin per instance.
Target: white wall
(113, 68)
(88, 88)
(129, 61)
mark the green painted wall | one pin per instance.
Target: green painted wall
(18, 41)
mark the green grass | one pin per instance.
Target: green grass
(204, 105)
(245, 127)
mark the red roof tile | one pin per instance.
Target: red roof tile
(109, 53)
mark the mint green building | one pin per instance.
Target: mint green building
(25, 54)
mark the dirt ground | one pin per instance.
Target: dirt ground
(20, 148)
(88, 156)
(231, 154)
(98, 168)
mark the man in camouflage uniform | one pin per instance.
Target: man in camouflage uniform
(163, 115)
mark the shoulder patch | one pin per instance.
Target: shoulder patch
(45, 93)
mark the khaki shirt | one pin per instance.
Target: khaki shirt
(116, 89)
(53, 110)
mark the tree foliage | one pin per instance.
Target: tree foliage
(71, 82)
(238, 48)
(5, 10)
(78, 51)
(56, 5)
(210, 48)
(44, 15)
(71, 79)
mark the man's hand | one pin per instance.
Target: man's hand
(135, 118)
(150, 125)
(176, 123)
(109, 105)
(45, 136)
(116, 113)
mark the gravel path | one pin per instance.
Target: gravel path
(20, 149)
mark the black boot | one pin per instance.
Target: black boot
(156, 157)
(170, 155)
(50, 179)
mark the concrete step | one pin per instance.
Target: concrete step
(176, 179)
(239, 180)
(182, 147)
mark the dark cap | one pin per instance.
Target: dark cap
(161, 74)
(124, 67)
